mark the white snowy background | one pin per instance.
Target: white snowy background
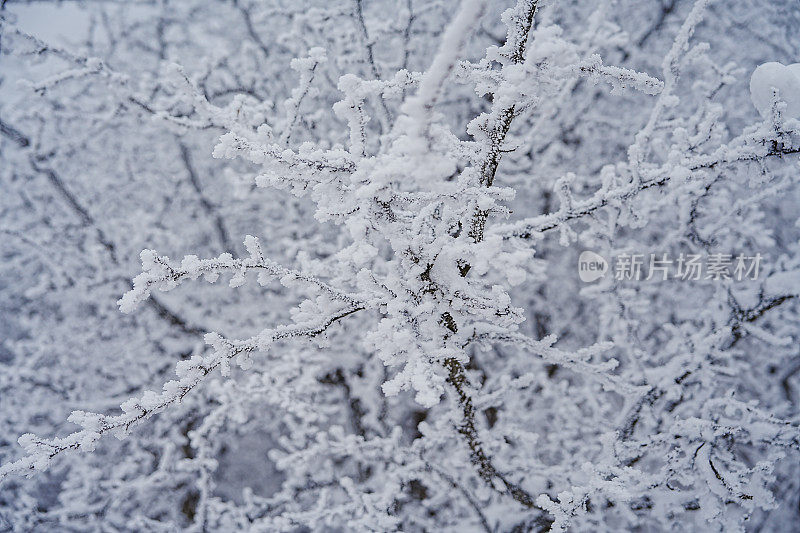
(279, 265)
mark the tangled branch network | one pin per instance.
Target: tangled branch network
(428, 360)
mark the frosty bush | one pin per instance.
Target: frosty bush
(406, 345)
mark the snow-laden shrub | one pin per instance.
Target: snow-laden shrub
(407, 343)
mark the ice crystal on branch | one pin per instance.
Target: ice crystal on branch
(418, 351)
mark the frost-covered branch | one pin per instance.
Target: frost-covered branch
(157, 272)
(747, 148)
(191, 373)
(455, 370)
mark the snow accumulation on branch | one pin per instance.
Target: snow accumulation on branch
(429, 361)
